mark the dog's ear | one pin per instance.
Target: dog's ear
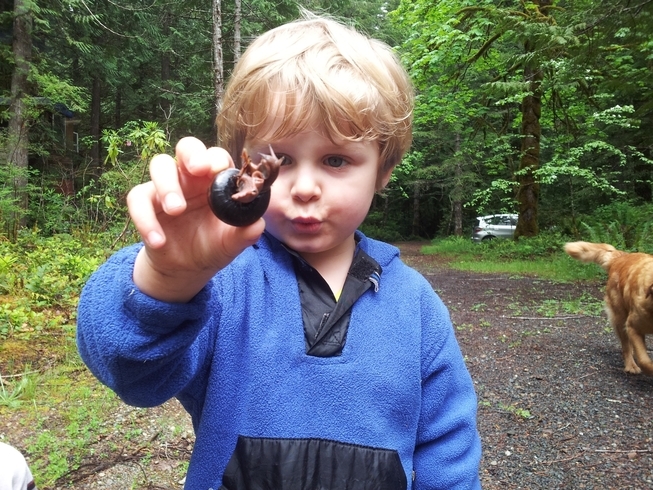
(650, 291)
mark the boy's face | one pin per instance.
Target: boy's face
(323, 191)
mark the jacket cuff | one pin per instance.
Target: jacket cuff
(155, 315)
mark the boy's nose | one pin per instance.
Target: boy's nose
(305, 185)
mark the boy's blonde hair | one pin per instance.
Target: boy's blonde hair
(354, 85)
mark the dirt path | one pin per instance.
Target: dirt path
(556, 411)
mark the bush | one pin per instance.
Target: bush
(50, 271)
(375, 226)
(452, 245)
(624, 225)
(543, 245)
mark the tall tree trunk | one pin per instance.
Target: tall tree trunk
(117, 120)
(117, 111)
(18, 130)
(96, 109)
(417, 187)
(457, 201)
(164, 102)
(237, 21)
(218, 62)
(528, 193)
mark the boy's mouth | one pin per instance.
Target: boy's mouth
(306, 225)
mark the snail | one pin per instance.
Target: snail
(239, 197)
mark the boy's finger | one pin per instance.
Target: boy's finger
(208, 162)
(142, 201)
(191, 156)
(165, 177)
(187, 147)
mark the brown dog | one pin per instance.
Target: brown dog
(628, 297)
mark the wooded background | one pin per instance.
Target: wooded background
(544, 108)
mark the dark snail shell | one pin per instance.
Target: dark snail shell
(233, 212)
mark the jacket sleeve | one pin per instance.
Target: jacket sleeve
(145, 350)
(448, 448)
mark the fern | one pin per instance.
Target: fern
(605, 234)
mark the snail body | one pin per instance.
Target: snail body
(239, 197)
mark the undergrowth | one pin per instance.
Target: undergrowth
(51, 407)
(542, 256)
(623, 225)
(628, 226)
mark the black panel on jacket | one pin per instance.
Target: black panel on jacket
(326, 320)
(311, 464)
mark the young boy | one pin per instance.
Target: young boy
(309, 356)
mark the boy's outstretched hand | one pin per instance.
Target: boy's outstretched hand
(185, 244)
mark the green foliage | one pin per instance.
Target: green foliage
(100, 204)
(542, 256)
(623, 225)
(453, 245)
(586, 304)
(20, 316)
(54, 212)
(40, 282)
(517, 411)
(11, 212)
(543, 245)
(15, 390)
(368, 16)
(38, 272)
(7, 261)
(146, 138)
(81, 415)
(467, 60)
(43, 382)
(59, 89)
(377, 226)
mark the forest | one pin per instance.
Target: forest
(540, 108)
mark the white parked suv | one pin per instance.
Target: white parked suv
(494, 226)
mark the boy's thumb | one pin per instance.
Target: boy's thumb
(238, 238)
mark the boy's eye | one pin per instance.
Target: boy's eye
(286, 159)
(335, 161)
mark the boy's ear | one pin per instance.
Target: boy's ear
(383, 179)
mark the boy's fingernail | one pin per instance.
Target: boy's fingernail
(154, 238)
(173, 201)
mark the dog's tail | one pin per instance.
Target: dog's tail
(599, 253)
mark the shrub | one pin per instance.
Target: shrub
(624, 225)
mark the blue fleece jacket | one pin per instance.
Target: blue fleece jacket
(235, 357)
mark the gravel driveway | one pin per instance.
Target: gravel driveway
(556, 409)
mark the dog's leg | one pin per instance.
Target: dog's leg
(618, 321)
(630, 366)
(637, 340)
